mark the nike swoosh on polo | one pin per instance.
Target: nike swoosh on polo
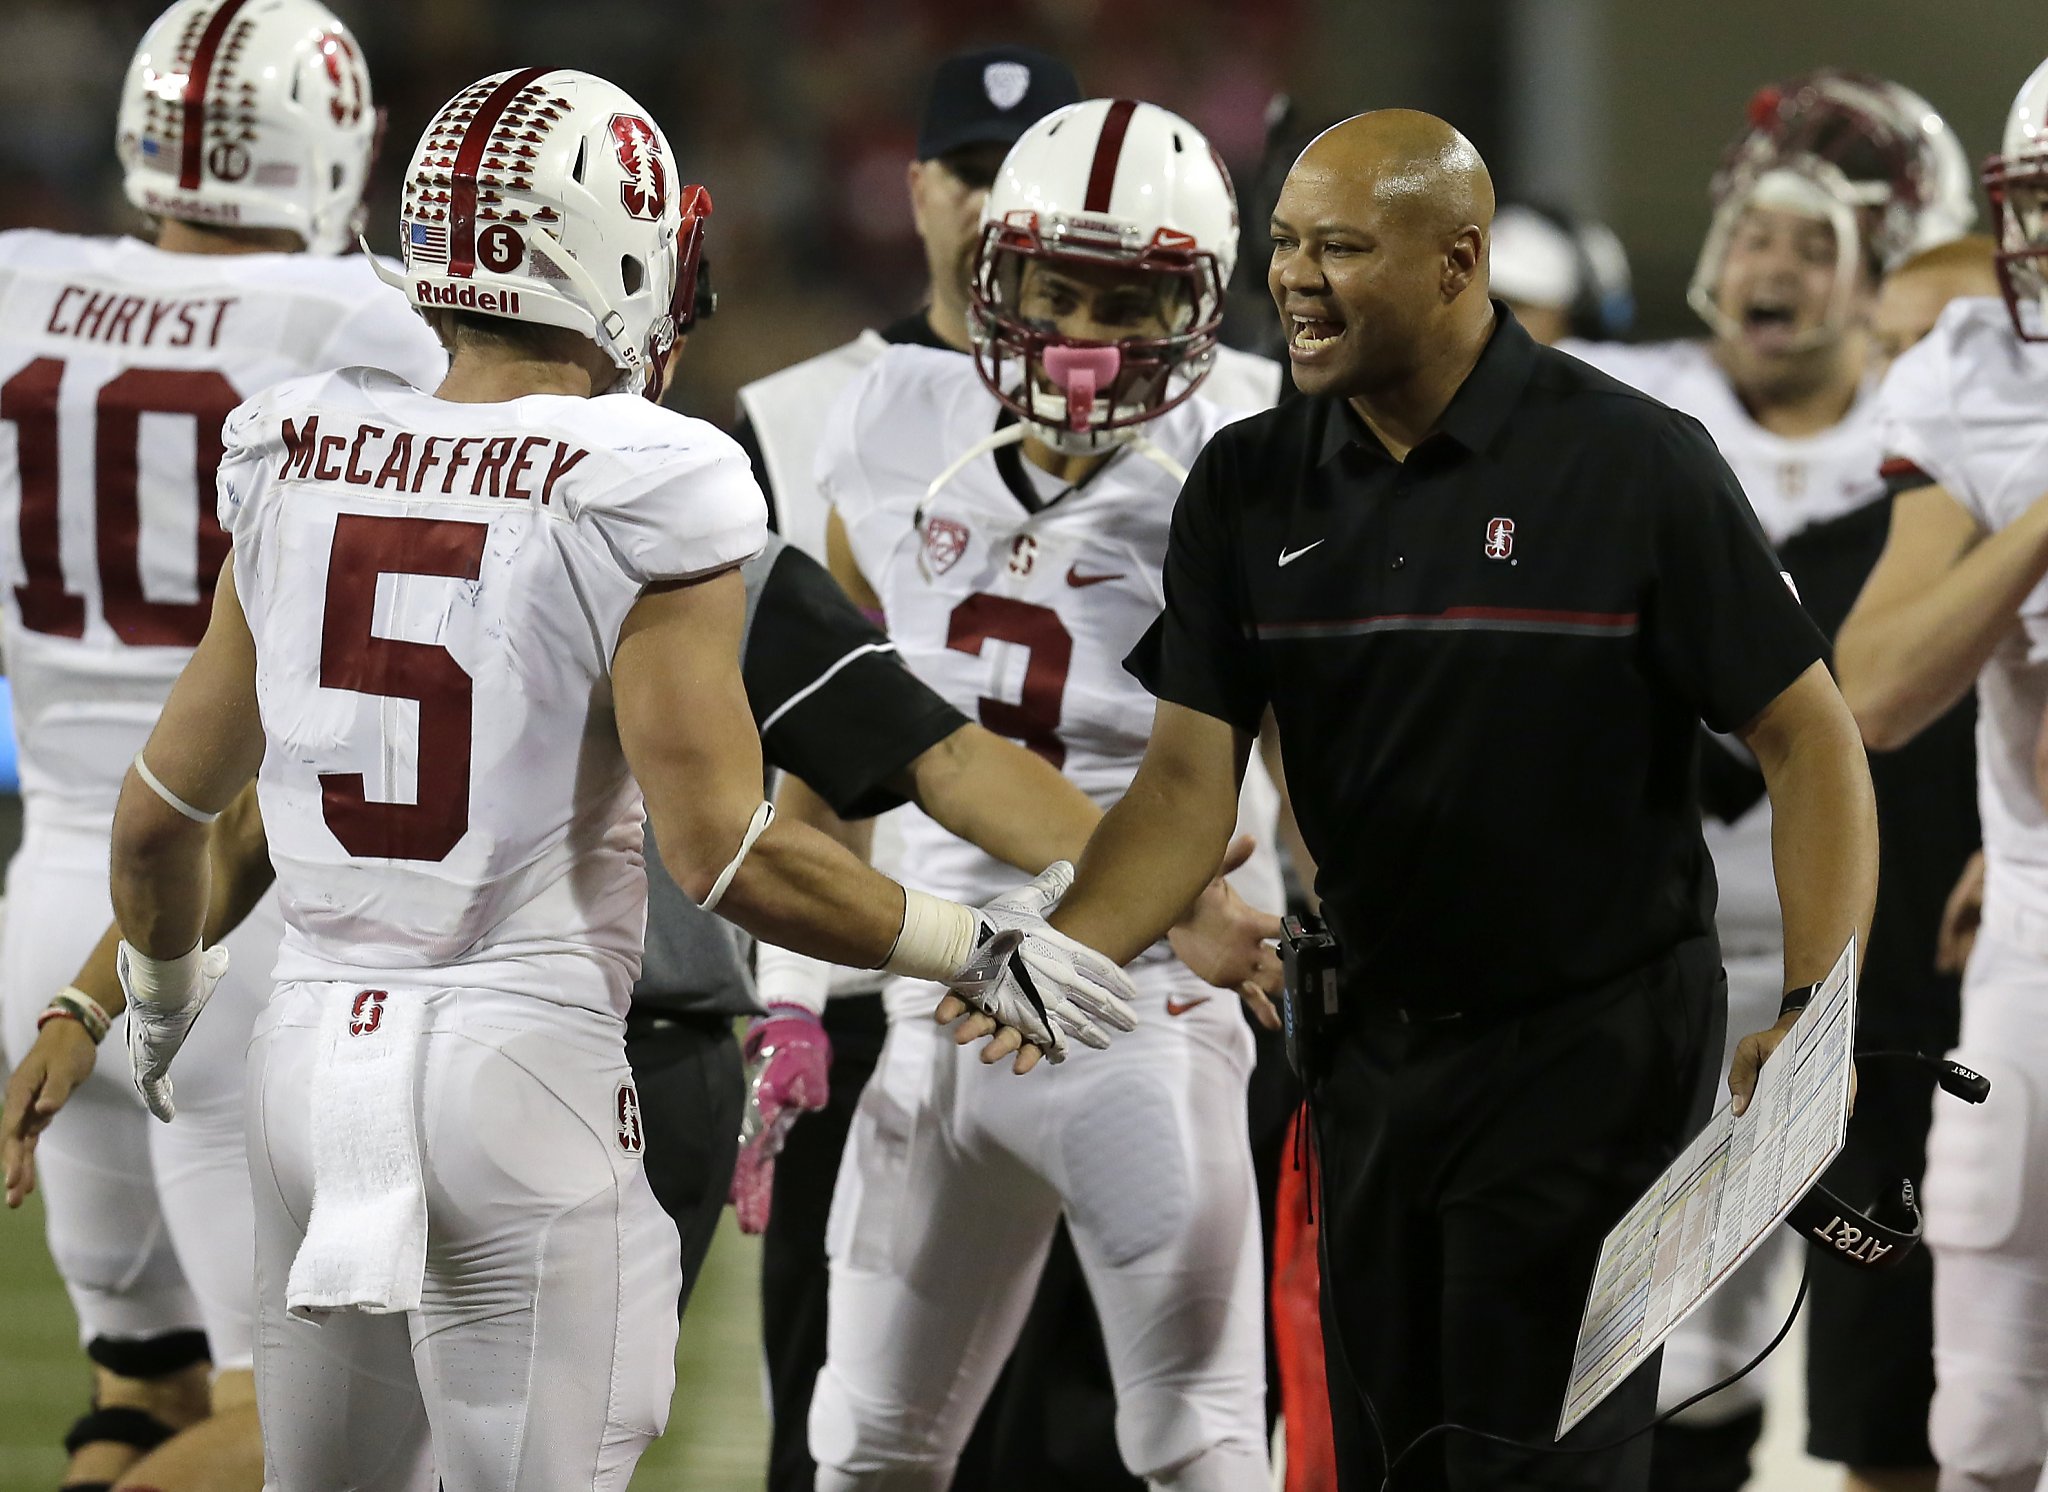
(1182, 1007)
(1076, 579)
(1289, 556)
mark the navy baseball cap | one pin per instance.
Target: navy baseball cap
(990, 97)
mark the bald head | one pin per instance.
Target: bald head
(1405, 162)
(1379, 252)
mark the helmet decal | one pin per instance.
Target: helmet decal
(1109, 149)
(644, 192)
(199, 78)
(482, 151)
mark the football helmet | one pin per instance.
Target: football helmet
(1105, 182)
(2017, 181)
(548, 195)
(250, 114)
(1870, 157)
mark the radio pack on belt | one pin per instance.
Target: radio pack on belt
(1309, 954)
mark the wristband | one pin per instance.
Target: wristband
(1796, 999)
(74, 1004)
(167, 983)
(936, 940)
(783, 976)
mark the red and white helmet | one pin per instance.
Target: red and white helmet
(548, 195)
(1103, 182)
(1870, 157)
(2017, 181)
(250, 114)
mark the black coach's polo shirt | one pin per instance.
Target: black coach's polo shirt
(1486, 663)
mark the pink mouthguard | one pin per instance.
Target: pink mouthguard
(1081, 372)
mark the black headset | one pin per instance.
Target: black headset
(1879, 1235)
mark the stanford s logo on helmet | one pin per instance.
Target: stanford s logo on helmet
(249, 114)
(1115, 184)
(545, 195)
(1869, 157)
(2017, 181)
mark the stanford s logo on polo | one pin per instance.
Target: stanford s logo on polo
(944, 542)
(367, 1014)
(646, 189)
(1500, 538)
(632, 1139)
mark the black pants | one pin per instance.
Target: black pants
(1470, 1169)
(1051, 1420)
(692, 1095)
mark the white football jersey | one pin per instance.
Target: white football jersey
(118, 363)
(1021, 620)
(1791, 483)
(435, 591)
(1968, 406)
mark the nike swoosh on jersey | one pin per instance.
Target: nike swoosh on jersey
(1289, 556)
(1182, 1007)
(1076, 579)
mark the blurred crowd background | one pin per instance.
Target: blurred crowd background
(800, 114)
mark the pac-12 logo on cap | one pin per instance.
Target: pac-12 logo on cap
(1500, 538)
(631, 1139)
(645, 188)
(1006, 83)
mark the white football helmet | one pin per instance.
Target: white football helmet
(548, 195)
(1868, 156)
(2017, 181)
(250, 114)
(1103, 182)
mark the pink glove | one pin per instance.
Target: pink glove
(788, 1057)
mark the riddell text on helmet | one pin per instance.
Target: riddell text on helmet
(468, 297)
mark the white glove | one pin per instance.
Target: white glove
(1027, 974)
(165, 996)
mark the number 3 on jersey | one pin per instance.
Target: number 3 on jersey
(1035, 718)
(354, 658)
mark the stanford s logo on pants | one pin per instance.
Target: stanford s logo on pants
(367, 1014)
(631, 1139)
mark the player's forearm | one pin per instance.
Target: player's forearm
(1823, 834)
(799, 802)
(1902, 666)
(1007, 801)
(1149, 859)
(160, 873)
(801, 890)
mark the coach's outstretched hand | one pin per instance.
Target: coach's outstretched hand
(1030, 987)
(49, 1073)
(1227, 942)
(165, 996)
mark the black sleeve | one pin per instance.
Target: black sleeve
(1723, 622)
(834, 703)
(743, 432)
(1200, 652)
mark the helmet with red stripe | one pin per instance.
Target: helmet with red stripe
(1868, 156)
(548, 196)
(250, 114)
(1106, 186)
(2017, 181)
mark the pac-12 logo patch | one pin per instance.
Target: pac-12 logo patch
(944, 542)
(632, 1139)
(1500, 538)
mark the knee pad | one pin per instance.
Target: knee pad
(134, 1428)
(1987, 1425)
(1225, 1467)
(1977, 1193)
(1174, 1437)
(149, 1357)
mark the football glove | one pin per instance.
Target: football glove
(788, 1059)
(165, 996)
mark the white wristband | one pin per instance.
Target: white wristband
(782, 976)
(936, 941)
(167, 983)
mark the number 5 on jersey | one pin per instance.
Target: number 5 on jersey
(354, 658)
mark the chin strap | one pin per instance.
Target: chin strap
(1158, 458)
(1007, 435)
